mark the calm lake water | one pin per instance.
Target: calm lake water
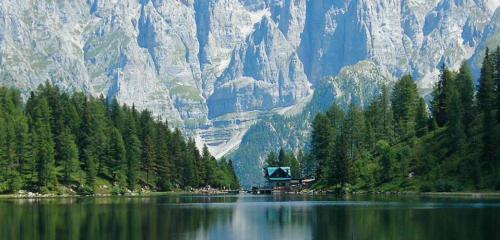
(250, 217)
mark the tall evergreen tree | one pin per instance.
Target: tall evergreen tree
(321, 140)
(177, 151)
(69, 154)
(421, 118)
(465, 87)
(486, 103)
(162, 160)
(88, 150)
(188, 171)
(341, 162)
(195, 156)
(440, 96)
(271, 160)
(205, 156)
(404, 102)
(117, 155)
(497, 80)
(43, 147)
(133, 159)
(295, 167)
(235, 184)
(380, 116)
(455, 120)
(386, 155)
(354, 131)
(148, 159)
(283, 160)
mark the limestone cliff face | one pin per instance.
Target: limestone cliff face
(264, 73)
(215, 67)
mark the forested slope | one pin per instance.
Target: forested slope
(59, 142)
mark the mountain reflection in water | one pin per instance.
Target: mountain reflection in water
(249, 217)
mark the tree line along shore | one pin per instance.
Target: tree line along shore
(402, 143)
(61, 143)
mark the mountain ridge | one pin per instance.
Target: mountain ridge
(215, 68)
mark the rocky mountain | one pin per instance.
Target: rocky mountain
(217, 67)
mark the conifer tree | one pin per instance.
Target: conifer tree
(69, 154)
(235, 184)
(90, 170)
(148, 158)
(283, 160)
(486, 103)
(3, 145)
(497, 80)
(87, 148)
(205, 156)
(379, 116)
(177, 150)
(162, 159)
(354, 131)
(194, 154)
(421, 118)
(465, 87)
(455, 120)
(386, 155)
(440, 96)
(271, 160)
(404, 101)
(212, 172)
(321, 140)
(188, 172)
(117, 115)
(341, 164)
(43, 145)
(133, 159)
(117, 156)
(296, 169)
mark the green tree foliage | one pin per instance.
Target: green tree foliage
(404, 103)
(68, 154)
(321, 140)
(421, 119)
(14, 141)
(465, 85)
(380, 117)
(59, 139)
(440, 96)
(455, 120)
(295, 167)
(43, 144)
(117, 157)
(487, 105)
(283, 159)
(162, 158)
(271, 160)
(397, 146)
(497, 80)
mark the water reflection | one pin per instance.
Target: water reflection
(249, 217)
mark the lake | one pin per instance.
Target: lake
(250, 217)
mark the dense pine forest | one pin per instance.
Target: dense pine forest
(59, 142)
(402, 143)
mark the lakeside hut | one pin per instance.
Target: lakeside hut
(278, 178)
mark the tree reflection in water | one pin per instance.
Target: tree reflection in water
(248, 217)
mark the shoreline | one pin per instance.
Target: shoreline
(107, 195)
(407, 193)
(214, 193)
